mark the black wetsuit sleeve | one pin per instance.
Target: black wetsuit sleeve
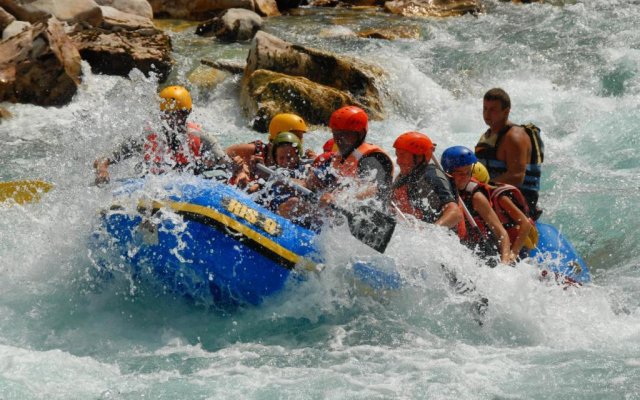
(126, 150)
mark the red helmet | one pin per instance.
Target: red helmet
(416, 143)
(349, 118)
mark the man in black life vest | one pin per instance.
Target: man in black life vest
(513, 154)
(179, 146)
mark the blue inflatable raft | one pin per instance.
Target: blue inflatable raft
(556, 254)
(206, 240)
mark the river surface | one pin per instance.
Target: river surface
(573, 70)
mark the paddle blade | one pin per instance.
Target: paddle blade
(372, 227)
(23, 191)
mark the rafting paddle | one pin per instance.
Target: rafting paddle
(23, 191)
(370, 226)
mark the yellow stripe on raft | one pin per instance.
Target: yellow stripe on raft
(23, 191)
(237, 226)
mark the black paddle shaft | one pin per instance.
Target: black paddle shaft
(370, 226)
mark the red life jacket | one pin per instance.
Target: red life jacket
(158, 155)
(493, 194)
(348, 167)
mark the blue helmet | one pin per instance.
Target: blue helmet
(457, 156)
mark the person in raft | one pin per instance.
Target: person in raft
(355, 163)
(512, 153)
(247, 155)
(179, 146)
(499, 212)
(421, 189)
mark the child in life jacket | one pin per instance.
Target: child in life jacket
(499, 212)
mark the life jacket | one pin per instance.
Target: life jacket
(466, 196)
(261, 150)
(348, 167)
(493, 194)
(401, 199)
(487, 148)
(159, 156)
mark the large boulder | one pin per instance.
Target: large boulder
(267, 93)
(113, 19)
(5, 19)
(118, 52)
(235, 24)
(24, 12)
(358, 79)
(196, 9)
(433, 8)
(266, 8)
(71, 11)
(15, 28)
(40, 66)
(141, 8)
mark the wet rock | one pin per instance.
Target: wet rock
(141, 8)
(232, 66)
(433, 8)
(113, 19)
(24, 12)
(206, 77)
(266, 8)
(196, 9)
(40, 66)
(232, 25)
(118, 52)
(336, 32)
(267, 93)
(15, 28)
(391, 33)
(71, 11)
(356, 78)
(5, 19)
(5, 114)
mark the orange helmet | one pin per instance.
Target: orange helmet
(349, 118)
(415, 143)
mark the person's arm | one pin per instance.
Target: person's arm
(126, 150)
(488, 215)
(446, 198)
(451, 215)
(212, 152)
(241, 155)
(522, 223)
(516, 147)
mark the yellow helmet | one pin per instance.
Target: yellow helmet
(175, 98)
(480, 172)
(286, 123)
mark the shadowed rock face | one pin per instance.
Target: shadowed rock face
(39, 66)
(356, 80)
(118, 52)
(196, 9)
